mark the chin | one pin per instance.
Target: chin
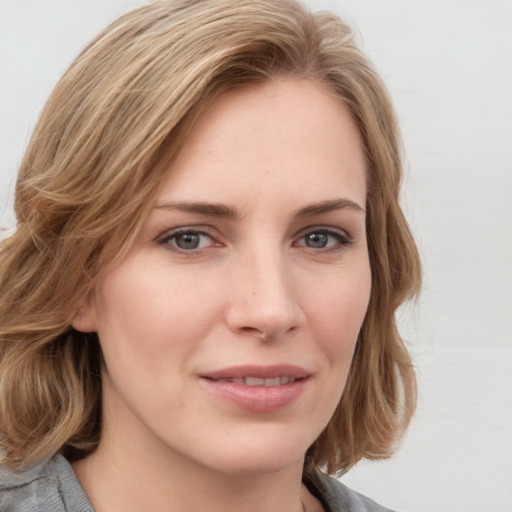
(258, 454)
(256, 465)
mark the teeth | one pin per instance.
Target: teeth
(257, 381)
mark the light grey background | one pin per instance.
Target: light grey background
(449, 68)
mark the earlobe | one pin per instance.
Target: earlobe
(84, 318)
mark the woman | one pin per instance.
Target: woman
(197, 306)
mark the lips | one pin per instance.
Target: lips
(258, 372)
(257, 388)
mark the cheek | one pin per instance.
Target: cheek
(335, 319)
(335, 316)
(146, 313)
(337, 313)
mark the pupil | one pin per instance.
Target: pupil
(187, 241)
(316, 240)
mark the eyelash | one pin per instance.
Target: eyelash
(173, 235)
(343, 239)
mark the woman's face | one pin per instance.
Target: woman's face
(229, 329)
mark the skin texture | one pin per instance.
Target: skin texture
(264, 286)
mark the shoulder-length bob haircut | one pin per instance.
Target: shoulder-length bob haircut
(89, 178)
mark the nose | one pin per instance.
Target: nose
(262, 298)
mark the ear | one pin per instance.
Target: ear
(84, 318)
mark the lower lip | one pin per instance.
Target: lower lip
(256, 398)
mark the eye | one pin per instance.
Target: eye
(187, 240)
(323, 238)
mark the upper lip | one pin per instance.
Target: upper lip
(262, 372)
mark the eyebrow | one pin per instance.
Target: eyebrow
(225, 211)
(327, 206)
(210, 209)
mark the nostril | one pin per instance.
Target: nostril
(253, 331)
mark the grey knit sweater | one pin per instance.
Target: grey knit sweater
(51, 486)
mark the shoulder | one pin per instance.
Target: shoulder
(337, 497)
(49, 486)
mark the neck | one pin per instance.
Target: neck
(162, 480)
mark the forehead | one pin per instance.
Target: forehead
(289, 135)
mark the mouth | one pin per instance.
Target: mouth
(254, 375)
(257, 388)
(258, 381)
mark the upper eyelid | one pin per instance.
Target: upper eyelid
(212, 232)
(320, 227)
(200, 229)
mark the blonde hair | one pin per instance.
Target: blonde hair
(90, 174)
